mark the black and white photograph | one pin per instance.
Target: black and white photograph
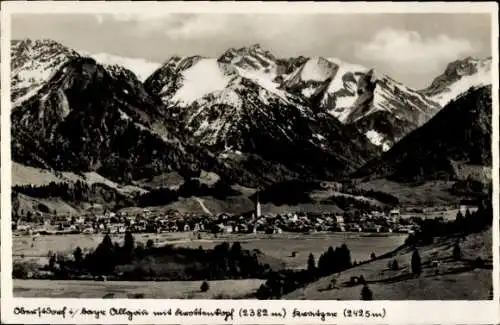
(252, 156)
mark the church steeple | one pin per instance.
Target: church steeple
(258, 211)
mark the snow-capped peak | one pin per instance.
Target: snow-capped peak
(250, 58)
(33, 63)
(458, 77)
(142, 68)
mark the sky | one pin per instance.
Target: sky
(411, 48)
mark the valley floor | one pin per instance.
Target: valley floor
(278, 246)
(442, 278)
(223, 289)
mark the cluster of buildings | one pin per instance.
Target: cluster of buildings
(255, 221)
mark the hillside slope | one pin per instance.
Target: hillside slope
(89, 118)
(459, 136)
(458, 77)
(449, 280)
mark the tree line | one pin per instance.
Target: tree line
(74, 192)
(136, 261)
(464, 224)
(191, 187)
(285, 281)
(80, 191)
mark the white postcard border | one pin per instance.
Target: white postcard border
(397, 312)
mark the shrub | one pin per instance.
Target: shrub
(366, 293)
(138, 296)
(479, 262)
(311, 264)
(204, 286)
(78, 255)
(361, 280)
(52, 262)
(373, 256)
(21, 271)
(395, 265)
(457, 253)
(263, 293)
(150, 243)
(416, 263)
(352, 281)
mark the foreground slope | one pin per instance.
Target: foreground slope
(453, 145)
(442, 277)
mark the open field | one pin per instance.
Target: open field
(428, 193)
(279, 246)
(26, 175)
(223, 289)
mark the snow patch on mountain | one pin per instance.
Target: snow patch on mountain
(458, 77)
(377, 139)
(266, 81)
(482, 78)
(317, 69)
(33, 63)
(203, 78)
(341, 94)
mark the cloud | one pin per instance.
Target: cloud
(183, 26)
(148, 22)
(200, 26)
(403, 49)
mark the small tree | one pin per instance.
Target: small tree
(361, 280)
(150, 243)
(78, 255)
(366, 293)
(395, 265)
(128, 243)
(416, 263)
(52, 262)
(263, 293)
(236, 250)
(204, 286)
(311, 263)
(373, 256)
(479, 262)
(457, 252)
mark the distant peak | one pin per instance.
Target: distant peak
(256, 46)
(254, 50)
(37, 42)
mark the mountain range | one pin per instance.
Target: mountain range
(455, 144)
(246, 116)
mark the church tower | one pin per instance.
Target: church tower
(258, 211)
